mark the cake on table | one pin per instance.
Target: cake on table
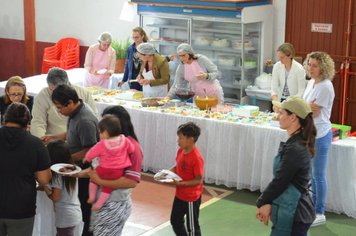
(131, 94)
(245, 110)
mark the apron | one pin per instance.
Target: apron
(198, 86)
(155, 91)
(284, 207)
(99, 62)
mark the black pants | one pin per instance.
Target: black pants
(83, 195)
(191, 210)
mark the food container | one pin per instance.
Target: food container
(226, 60)
(150, 102)
(205, 102)
(344, 130)
(238, 44)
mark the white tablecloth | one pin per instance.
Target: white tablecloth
(238, 155)
(235, 154)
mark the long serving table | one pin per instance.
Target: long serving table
(235, 154)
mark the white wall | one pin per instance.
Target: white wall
(11, 19)
(87, 19)
(279, 25)
(81, 19)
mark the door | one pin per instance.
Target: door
(338, 44)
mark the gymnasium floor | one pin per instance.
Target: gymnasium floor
(224, 212)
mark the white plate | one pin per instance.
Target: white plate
(175, 100)
(168, 178)
(56, 168)
(102, 71)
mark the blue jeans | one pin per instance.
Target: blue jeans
(319, 184)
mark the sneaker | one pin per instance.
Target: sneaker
(319, 220)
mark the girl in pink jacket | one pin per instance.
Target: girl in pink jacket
(113, 151)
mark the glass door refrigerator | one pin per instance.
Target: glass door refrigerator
(239, 44)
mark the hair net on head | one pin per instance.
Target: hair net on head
(105, 37)
(146, 48)
(184, 47)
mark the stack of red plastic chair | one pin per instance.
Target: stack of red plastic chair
(65, 55)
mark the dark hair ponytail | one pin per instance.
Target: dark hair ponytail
(308, 131)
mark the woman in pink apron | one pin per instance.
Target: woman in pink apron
(154, 74)
(100, 62)
(199, 71)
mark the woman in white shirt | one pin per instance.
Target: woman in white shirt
(320, 94)
(288, 76)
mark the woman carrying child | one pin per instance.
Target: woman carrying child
(113, 151)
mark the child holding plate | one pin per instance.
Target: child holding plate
(113, 151)
(63, 191)
(190, 167)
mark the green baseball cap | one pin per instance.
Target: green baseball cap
(296, 105)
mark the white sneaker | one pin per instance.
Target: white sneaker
(319, 220)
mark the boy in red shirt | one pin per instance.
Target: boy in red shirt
(190, 167)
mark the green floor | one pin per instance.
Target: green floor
(235, 216)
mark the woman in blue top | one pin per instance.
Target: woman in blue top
(133, 62)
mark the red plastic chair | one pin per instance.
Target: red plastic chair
(65, 55)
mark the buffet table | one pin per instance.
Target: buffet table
(235, 154)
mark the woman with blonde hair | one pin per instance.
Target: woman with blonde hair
(320, 95)
(100, 56)
(288, 76)
(15, 91)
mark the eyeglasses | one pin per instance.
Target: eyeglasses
(142, 54)
(13, 95)
(182, 55)
(63, 106)
(137, 37)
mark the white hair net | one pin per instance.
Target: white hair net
(146, 48)
(184, 47)
(105, 37)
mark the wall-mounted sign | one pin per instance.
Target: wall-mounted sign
(321, 27)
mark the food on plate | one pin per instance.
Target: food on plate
(94, 90)
(220, 117)
(110, 92)
(160, 176)
(98, 99)
(68, 168)
(136, 106)
(152, 108)
(121, 102)
(224, 109)
(155, 39)
(131, 94)
(274, 118)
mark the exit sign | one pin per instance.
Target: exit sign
(322, 28)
